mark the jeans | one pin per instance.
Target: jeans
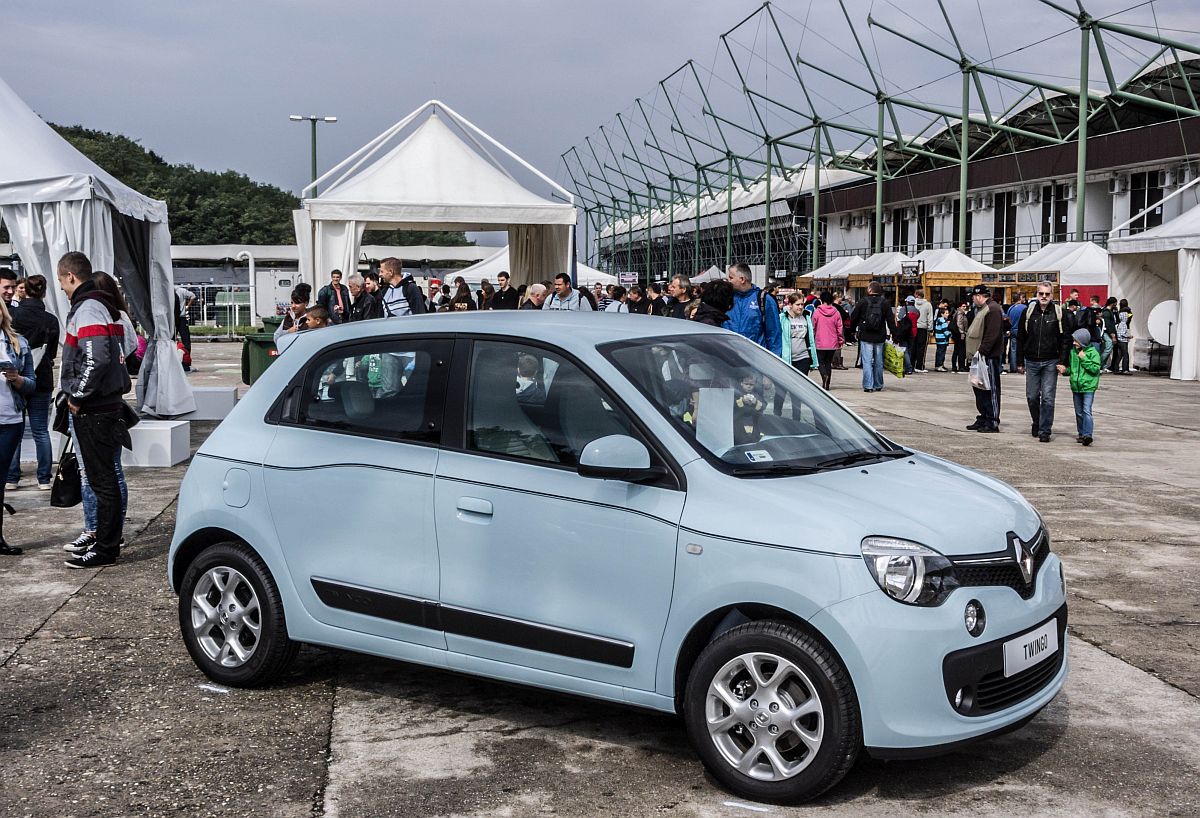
(987, 401)
(872, 364)
(38, 407)
(98, 438)
(1041, 381)
(10, 441)
(939, 359)
(1083, 412)
(920, 344)
(1012, 351)
(908, 362)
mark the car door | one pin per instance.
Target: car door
(541, 567)
(349, 479)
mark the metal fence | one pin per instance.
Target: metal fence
(220, 306)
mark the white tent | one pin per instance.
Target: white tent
(1163, 264)
(1078, 264)
(491, 266)
(949, 260)
(835, 268)
(886, 263)
(713, 273)
(53, 200)
(433, 180)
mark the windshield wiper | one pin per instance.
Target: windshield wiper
(776, 469)
(858, 457)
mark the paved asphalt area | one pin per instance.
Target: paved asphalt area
(104, 714)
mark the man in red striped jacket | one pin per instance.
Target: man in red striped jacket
(95, 378)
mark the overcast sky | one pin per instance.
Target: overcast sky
(212, 83)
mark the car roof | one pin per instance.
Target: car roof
(560, 327)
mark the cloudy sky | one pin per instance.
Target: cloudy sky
(212, 82)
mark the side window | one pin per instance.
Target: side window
(389, 389)
(529, 403)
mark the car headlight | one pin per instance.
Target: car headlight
(909, 572)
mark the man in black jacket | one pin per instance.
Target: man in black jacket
(505, 297)
(986, 336)
(1043, 343)
(873, 320)
(335, 298)
(363, 304)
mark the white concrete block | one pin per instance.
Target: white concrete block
(158, 443)
(212, 402)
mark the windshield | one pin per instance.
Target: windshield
(744, 408)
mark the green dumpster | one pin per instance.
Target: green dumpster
(258, 350)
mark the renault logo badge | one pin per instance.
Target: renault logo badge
(1024, 558)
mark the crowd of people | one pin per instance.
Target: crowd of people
(1041, 340)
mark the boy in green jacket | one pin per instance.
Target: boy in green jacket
(1085, 378)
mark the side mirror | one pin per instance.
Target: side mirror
(618, 457)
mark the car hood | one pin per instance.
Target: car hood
(949, 508)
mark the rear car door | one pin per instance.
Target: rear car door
(349, 480)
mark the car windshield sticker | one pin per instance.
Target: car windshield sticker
(758, 455)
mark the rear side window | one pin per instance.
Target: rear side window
(391, 389)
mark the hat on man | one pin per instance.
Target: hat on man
(910, 300)
(980, 289)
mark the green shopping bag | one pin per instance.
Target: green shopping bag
(893, 359)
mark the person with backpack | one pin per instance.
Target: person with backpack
(905, 333)
(755, 314)
(40, 329)
(941, 337)
(402, 296)
(873, 321)
(1043, 342)
(828, 329)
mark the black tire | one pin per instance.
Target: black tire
(272, 651)
(842, 733)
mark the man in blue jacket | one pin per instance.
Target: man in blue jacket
(755, 315)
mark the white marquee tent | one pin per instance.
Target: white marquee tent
(835, 268)
(53, 200)
(489, 267)
(1078, 264)
(886, 263)
(441, 176)
(949, 260)
(1163, 264)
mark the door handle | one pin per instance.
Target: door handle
(475, 505)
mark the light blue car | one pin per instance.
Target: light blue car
(641, 510)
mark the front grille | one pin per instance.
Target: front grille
(1000, 569)
(997, 693)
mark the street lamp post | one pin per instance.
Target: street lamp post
(313, 120)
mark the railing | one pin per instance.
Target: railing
(223, 308)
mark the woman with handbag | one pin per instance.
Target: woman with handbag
(16, 364)
(80, 545)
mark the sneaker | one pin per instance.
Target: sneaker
(921, 371)
(942, 369)
(44, 487)
(989, 430)
(975, 427)
(92, 559)
(10, 486)
(7, 550)
(81, 544)
(1033, 430)
(1043, 438)
(1086, 440)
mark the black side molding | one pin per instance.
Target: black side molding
(423, 613)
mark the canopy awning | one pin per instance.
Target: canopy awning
(1078, 263)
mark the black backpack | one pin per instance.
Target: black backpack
(872, 320)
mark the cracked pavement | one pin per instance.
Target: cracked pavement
(104, 713)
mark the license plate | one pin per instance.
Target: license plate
(1030, 648)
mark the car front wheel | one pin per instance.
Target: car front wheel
(772, 713)
(232, 619)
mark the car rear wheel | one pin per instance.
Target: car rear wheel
(232, 618)
(772, 713)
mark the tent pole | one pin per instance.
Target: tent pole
(696, 232)
(767, 231)
(814, 239)
(879, 182)
(729, 215)
(629, 241)
(1081, 131)
(964, 160)
(671, 235)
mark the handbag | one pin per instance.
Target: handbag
(62, 414)
(67, 489)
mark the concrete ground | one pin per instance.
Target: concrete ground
(104, 713)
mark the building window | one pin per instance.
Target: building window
(1054, 213)
(924, 227)
(954, 237)
(1004, 233)
(900, 230)
(1144, 190)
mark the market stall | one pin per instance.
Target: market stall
(1072, 265)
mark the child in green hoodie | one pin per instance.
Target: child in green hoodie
(1085, 378)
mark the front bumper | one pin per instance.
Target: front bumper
(899, 657)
